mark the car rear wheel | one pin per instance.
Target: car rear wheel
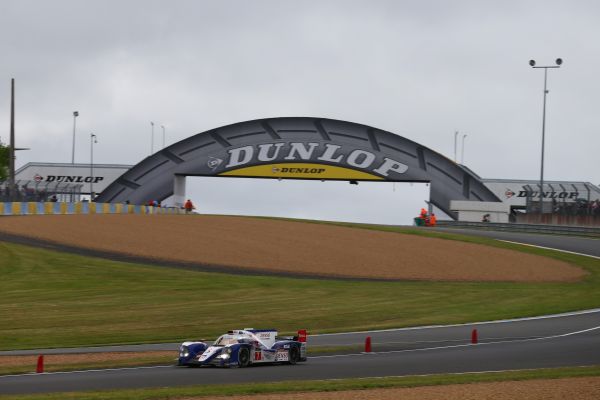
(294, 355)
(243, 357)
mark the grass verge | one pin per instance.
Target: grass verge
(12, 365)
(319, 386)
(53, 299)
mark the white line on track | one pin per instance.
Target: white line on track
(446, 373)
(414, 328)
(549, 248)
(87, 370)
(500, 321)
(362, 342)
(332, 356)
(462, 345)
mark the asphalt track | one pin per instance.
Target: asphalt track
(575, 244)
(554, 341)
(558, 341)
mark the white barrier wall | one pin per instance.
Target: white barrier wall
(474, 211)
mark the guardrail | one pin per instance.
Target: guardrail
(513, 227)
(61, 208)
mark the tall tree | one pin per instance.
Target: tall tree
(4, 161)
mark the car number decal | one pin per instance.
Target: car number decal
(282, 355)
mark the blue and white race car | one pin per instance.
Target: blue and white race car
(242, 348)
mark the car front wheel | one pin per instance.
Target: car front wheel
(243, 357)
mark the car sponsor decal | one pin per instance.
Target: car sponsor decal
(282, 355)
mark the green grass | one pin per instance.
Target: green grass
(319, 386)
(52, 299)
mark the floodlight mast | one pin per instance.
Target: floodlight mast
(11, 153)
(93, 139)
(532, 63)
(75, 115)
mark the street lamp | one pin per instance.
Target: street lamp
(152, 141)
(163, 129)
(75, 115)
(455, 138)
(93, 139)
(558, 63)
(462, 156)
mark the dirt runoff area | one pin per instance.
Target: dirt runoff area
(542, 389)
(290, 247)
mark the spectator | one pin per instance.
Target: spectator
(188, 206)
(54, 199)
(596, 207)
(432, 220)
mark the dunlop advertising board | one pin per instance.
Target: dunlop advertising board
(298, 148)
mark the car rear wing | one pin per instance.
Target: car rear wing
(300, 337)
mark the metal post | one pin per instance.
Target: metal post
(455, 140)
(163, 129)
(75, 115)
(462, 156)
(11, 154)
(92, 141)
(152, 140)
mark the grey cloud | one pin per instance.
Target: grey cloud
(419, 69)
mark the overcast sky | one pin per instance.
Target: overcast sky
(420, 69)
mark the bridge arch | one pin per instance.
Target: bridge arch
(297, 148)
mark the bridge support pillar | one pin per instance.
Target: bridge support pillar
(179, 190)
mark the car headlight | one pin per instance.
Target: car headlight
(184, 351)
(225, 354)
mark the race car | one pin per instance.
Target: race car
(241, 348)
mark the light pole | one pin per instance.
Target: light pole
(11, 155)
(558, 63)
(462, 156)
(152, 140)
(93, 139)
(75, 115)
(163, 129)
(455, 139)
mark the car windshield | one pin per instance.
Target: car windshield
(226, 340)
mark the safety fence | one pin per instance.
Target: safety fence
(62, 208)
(532, 228)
